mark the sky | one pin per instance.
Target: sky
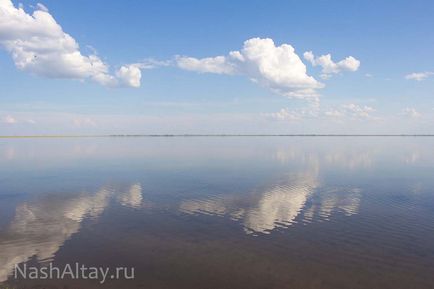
(211, 67)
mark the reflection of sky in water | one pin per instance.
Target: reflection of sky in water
(259, 183)
(280, 205)
(40, 228)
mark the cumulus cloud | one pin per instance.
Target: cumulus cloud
(286, 114)
(419, 76)
(9, 119)
(129, 75)
(278, 68)
(334, 113)
(411, 112)
(38, 44)
(330, 67)
(151, 63)
(351, 111)
(358, 110)
(219, 64)
(345, 111)
(41, 7)
(84, 122)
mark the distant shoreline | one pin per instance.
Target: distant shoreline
(221, 135)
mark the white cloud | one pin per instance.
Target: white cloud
(419, 76)
(38, 44)
(219, 64)
(277, 67)
(129, 75)
(334, 113)
(358, 111)
(84, 122)
(285, 114)
(345, 111)
(330, 67)
(150, 63)
(41, 7)
(9, 119)
(351, 111)
(411, 112)
(325, 76)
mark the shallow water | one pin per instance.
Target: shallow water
(221, 212)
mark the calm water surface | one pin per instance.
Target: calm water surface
(221, 212)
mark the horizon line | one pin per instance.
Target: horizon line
(218, 135)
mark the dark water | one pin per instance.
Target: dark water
(221, 212)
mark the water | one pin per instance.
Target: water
(221, 212)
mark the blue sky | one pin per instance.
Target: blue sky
(183, 93)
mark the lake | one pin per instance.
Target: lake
(220, 212)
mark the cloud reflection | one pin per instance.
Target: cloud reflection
(300, 196)
(324, 204)
(131, 198)
(281, 205)
(41, 227)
